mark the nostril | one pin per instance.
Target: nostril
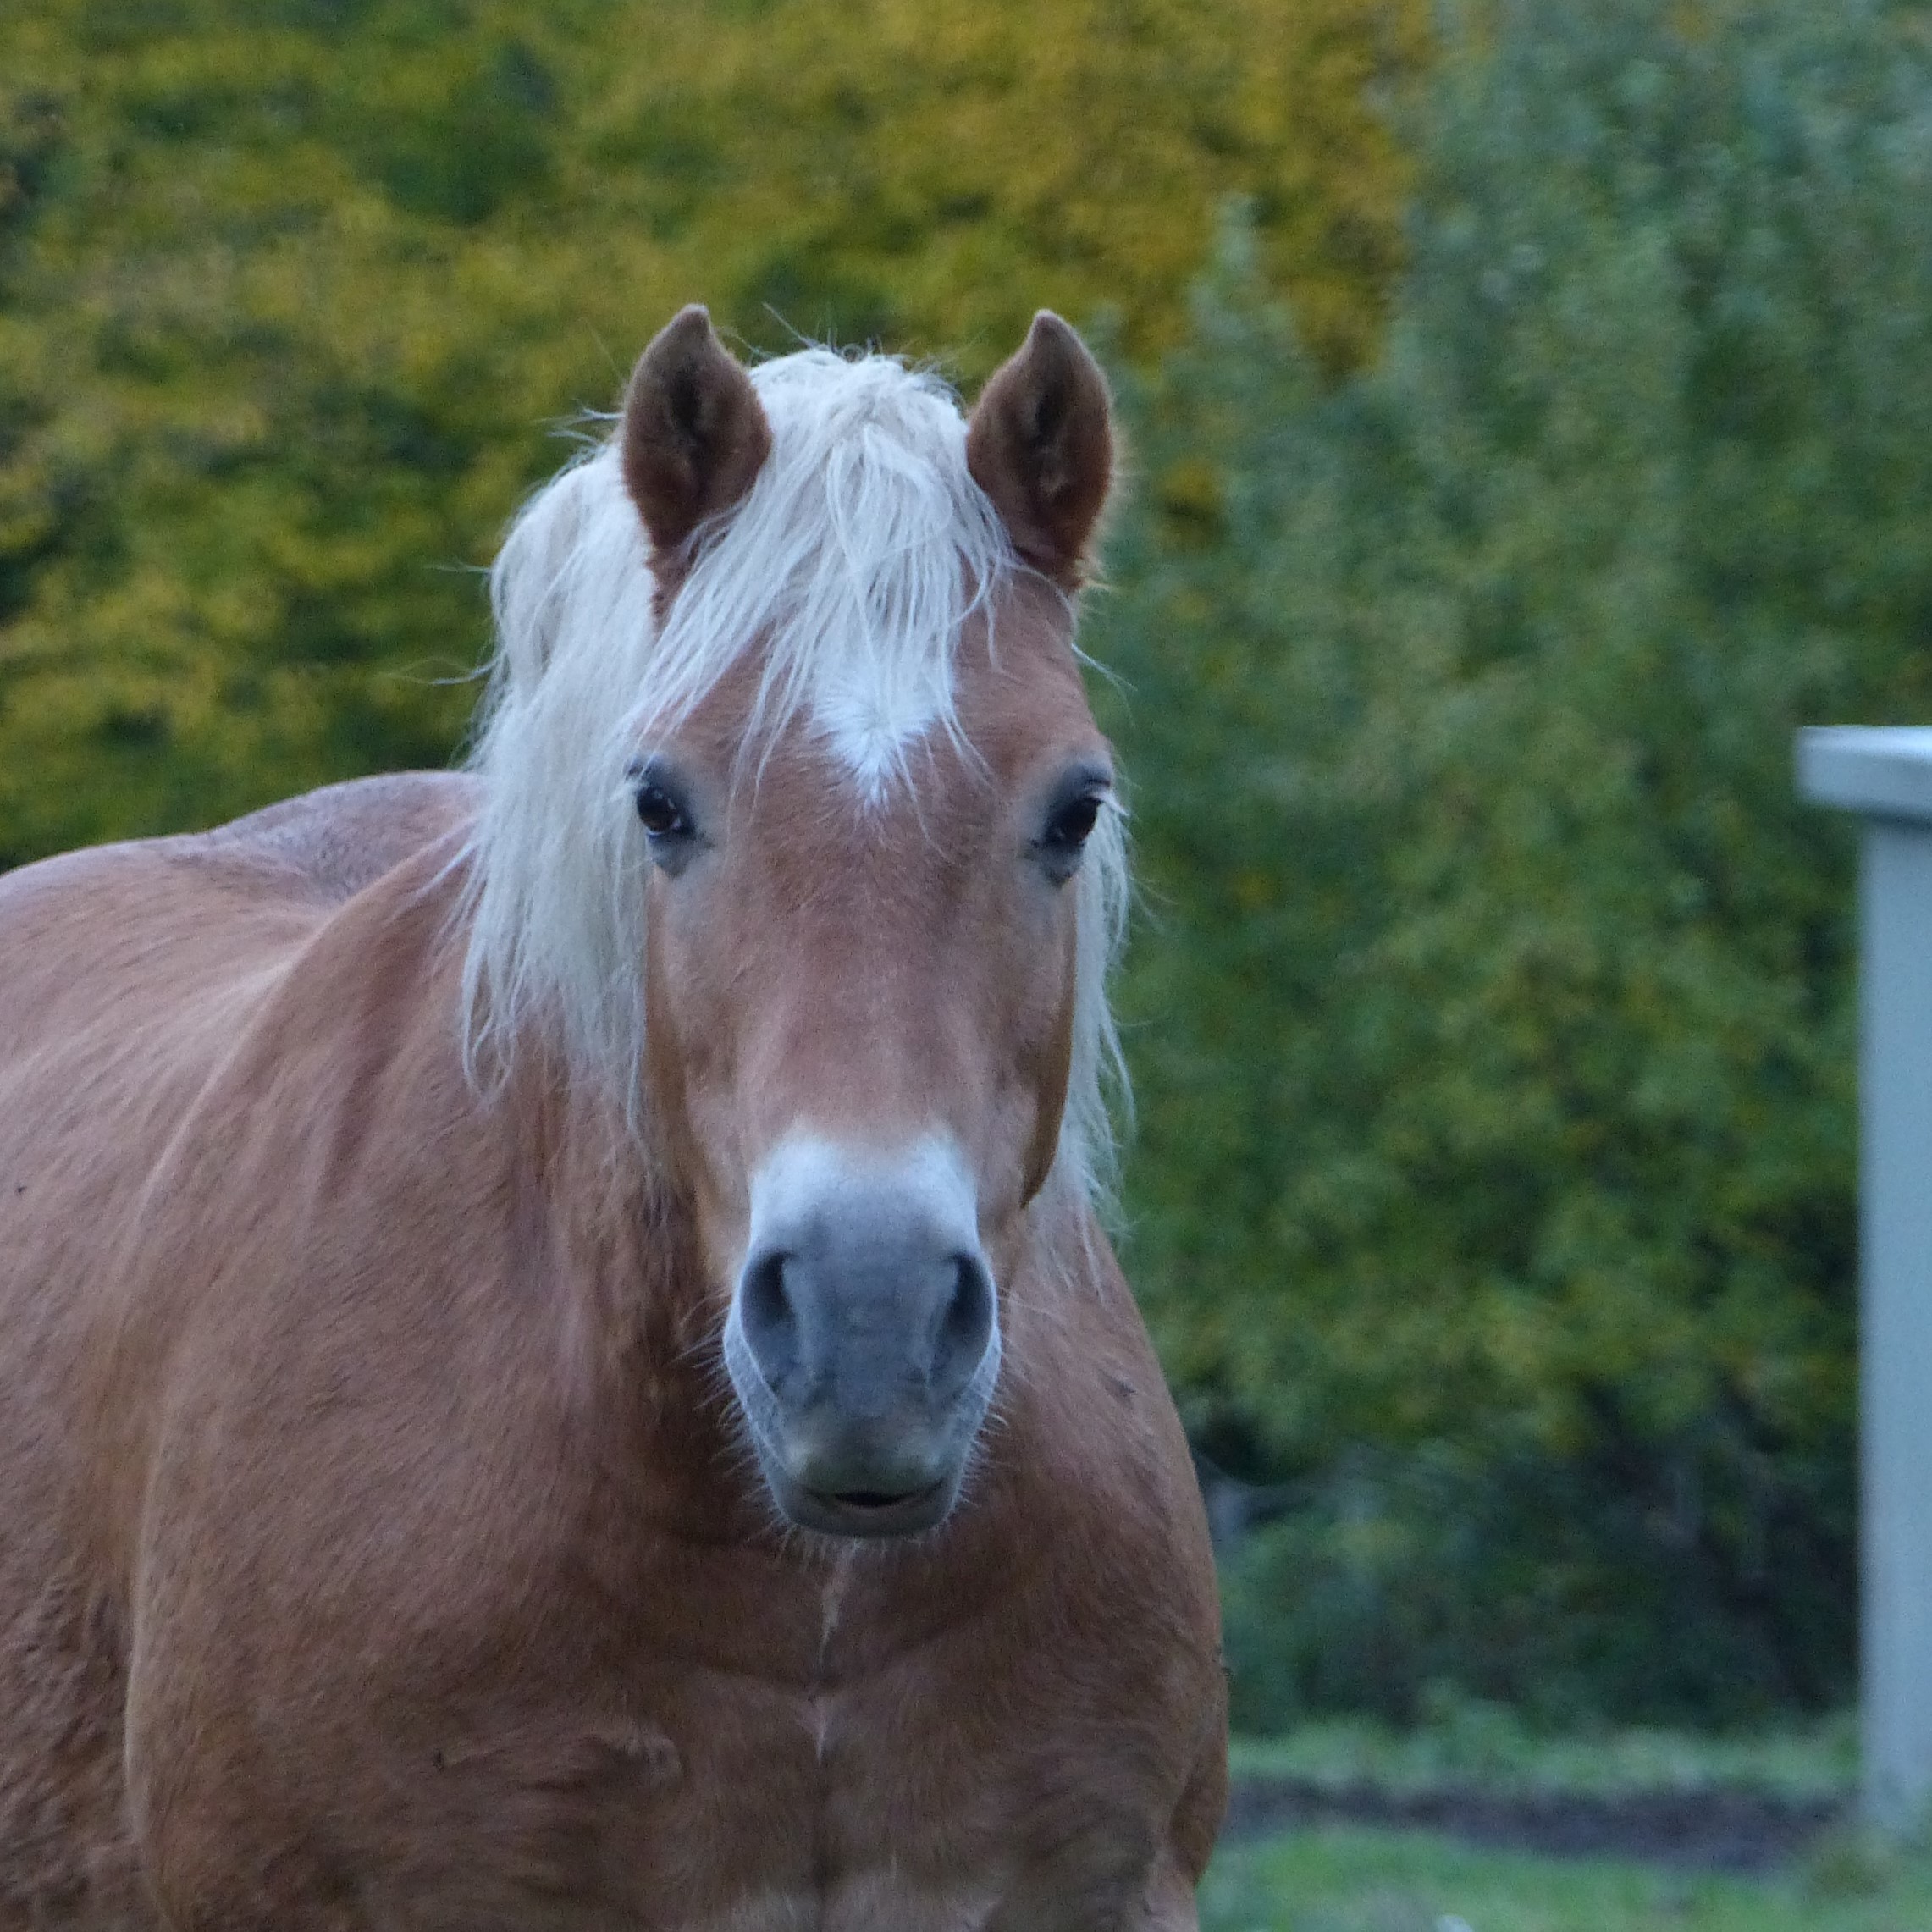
(966, 1325)
(770, 1321)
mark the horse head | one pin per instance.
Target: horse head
(862, 864)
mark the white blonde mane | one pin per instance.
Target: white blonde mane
(858, 554)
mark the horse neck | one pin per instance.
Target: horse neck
(580, 1219)
(619, 1235)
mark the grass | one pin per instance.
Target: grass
(1344, 1878)
(1353, 1879)
(1487, 1746)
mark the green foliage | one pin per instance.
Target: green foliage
(291, 294)
(1340, 1880)
(1494, 1024)
(1465, 1746)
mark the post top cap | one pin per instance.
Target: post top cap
(1883, 770)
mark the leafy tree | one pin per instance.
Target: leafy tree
(1493, 1029)
(292, 293)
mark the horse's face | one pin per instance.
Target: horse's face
(861, 1008)
(860, 1023)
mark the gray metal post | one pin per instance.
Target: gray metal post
(1885, 774)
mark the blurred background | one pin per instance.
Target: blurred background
(1531, 418)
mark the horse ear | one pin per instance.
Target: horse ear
(1040, 444)
(694, 432)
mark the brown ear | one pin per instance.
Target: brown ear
(694, 432)
(1042, 447)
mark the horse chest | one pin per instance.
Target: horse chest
(592, 1717)
(784, 1843)
(940, 1788)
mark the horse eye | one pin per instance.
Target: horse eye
(662, 816)
(1072, 826)
(1067, 830)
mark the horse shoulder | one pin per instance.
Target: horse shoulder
(1105, 1539)
(329, 845)
(132, 977)
(117, 937)
(1167, 1562)
(135, 980)
(357, 1486)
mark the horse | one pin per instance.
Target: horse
(561, 1367)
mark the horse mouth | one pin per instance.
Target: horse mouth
(878, 1499)
(872, 1512)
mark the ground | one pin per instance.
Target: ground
(1336, 1878)
(1474, 1825)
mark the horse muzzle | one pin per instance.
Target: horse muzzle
(863, 1338)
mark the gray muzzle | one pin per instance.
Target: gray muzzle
(863, 1338)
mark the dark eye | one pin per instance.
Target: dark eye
(1069, 826)
(1072, 823)
(661, 814)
